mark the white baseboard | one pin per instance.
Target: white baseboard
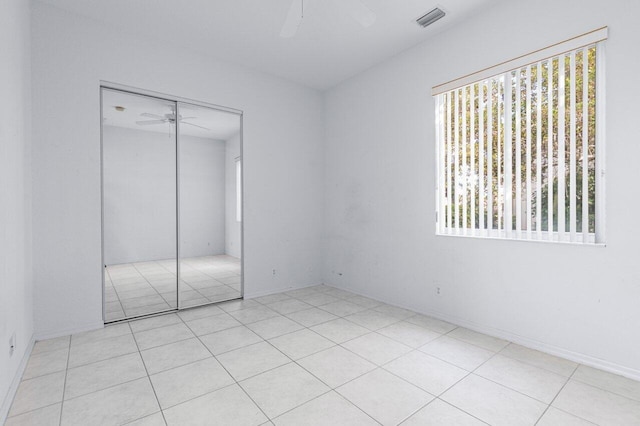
(578, 357)
(248, 295)
(558, 351)
(51, 334)
(11, 393)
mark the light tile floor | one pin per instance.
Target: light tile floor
(315, 356)
(133, 289)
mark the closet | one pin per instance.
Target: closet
(171, 203)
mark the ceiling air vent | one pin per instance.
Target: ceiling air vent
(430, 17)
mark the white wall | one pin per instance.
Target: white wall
(16, 288)
(578, 301)
(233, 232)
(139, 172)
(202, 196)
(283, 122)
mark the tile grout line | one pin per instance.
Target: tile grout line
(66, 370)
(334, 389)
(323, 394)
(230, 375)
(151, 285)
(64, 386)
(458, 381)
(35, 409)
(39, 355)
(502, 385)
(558, 394)
(264, 340)
(115, 291)
(602, 388)
(161, 266)
(155, 394)
(522, 393)
(381, 367)
(435, 396)
(499, 352)
(120, 300)
(309, 372)
(44, 351)
(106, 388)
(291, 361)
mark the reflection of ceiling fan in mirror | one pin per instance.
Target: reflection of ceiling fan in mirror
(356, 8)
(167, 118)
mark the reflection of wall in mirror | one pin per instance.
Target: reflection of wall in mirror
(232, 226)
(202, 196)
(140, 196)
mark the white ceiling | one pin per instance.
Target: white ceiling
(219, 125)
(329, 47)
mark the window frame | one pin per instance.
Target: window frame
(594, 38)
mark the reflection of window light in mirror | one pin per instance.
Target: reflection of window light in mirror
(238, 190)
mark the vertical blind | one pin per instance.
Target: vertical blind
(519, 147)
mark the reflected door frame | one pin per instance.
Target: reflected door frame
(177, 100)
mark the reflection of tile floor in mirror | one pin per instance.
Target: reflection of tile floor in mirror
(314, 356)
(134, 289)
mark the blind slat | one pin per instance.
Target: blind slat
(572, 147)
(562, 154)
(528, 155)
(481, 150)
(456, 165)
(539, 151)
(499, 162)
(472, 142)
(490, 155)
(518, 155)
(585, 145)
(449, 151)
(442, 173)
(599, 172)
(508, 155)
(463, 153)
(550, 149)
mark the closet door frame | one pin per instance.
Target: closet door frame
(177, 100)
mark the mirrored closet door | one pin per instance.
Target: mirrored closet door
(171, 192)
(209, 191)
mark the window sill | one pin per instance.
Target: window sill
(523, 240)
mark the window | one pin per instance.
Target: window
(238, 190)
(520, 149)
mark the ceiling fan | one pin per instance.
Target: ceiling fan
(167, 118)
(356, 8)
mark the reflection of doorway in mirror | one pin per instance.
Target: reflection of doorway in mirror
(238, 190)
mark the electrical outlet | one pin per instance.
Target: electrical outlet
(438, 287)
(12, 344)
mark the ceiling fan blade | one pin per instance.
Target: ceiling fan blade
(359, 11)
(149, 115)
(186, 118)
(294, 19)
(194, 125)
(146, 123)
